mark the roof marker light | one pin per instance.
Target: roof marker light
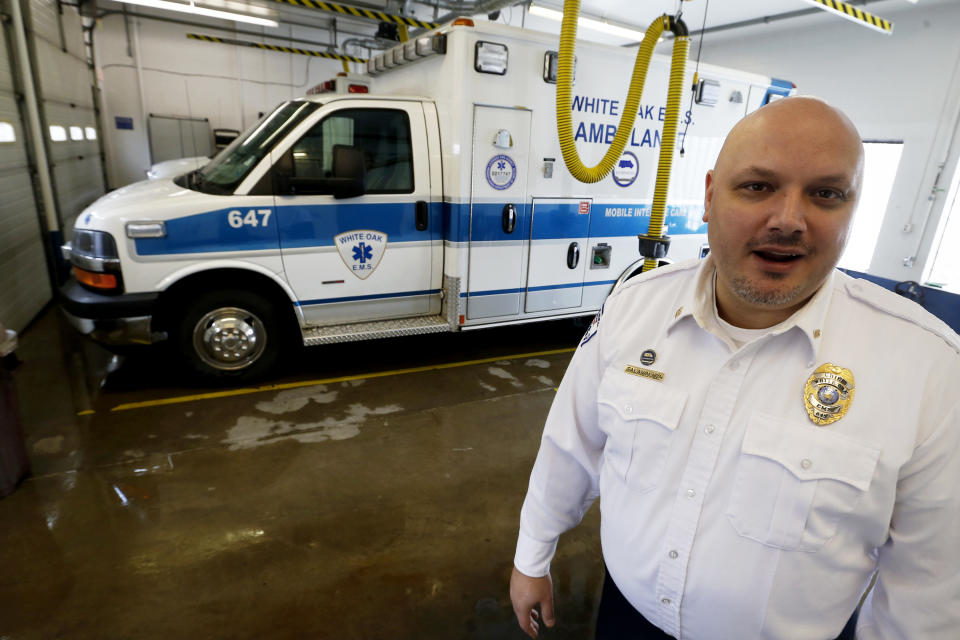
(410, 50)
(424, 46)
(463, 22)
(490, 57)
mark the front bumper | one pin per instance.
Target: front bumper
(110, 319)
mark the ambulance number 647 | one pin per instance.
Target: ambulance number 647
(253, 218)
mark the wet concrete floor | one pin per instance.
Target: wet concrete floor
(364, 506)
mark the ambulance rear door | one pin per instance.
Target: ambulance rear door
(558, 240)
(499, 217)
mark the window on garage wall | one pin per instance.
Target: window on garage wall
(880, 162)
(57, 133)
(91, 133)
(7, 133)
(943, 267)
(76, 133)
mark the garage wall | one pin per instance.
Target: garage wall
(905, 86)
(151, 67)
(65, 89)
(24, 287)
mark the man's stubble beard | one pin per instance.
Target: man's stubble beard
(748, 291)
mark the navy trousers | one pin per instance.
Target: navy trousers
(618, 620)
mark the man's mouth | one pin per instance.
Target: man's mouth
(778, 255)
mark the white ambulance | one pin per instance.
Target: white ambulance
(437, 202)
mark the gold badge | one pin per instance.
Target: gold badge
(828, 394)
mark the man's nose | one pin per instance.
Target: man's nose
(789, 211)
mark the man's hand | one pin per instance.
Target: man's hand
(526, 593)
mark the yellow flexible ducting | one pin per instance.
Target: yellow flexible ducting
(568, 148)
(678, 63)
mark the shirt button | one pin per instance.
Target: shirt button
(734, 365)
(691, 493)
(805, 463)
(674, 555)
(709, 428)
(628, 408)
(665, 600)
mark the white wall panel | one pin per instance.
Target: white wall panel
(226, 84)
(128, 150)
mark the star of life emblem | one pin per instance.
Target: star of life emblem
(361, 250)
(828, 394)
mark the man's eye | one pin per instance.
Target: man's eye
(830, 194)
(756, 186)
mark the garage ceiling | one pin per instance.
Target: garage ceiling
(627, 13)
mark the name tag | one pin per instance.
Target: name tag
(644, 373)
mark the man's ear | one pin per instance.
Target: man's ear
(708, 196)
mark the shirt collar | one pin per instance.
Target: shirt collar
(696, 300)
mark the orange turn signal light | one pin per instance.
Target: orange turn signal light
(96, 280)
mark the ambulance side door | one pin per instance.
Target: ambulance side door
(357, 258)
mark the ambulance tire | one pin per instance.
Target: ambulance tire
(230, 335)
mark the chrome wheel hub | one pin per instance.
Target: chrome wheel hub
(229, 338)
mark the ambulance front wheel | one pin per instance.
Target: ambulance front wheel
(230, 335)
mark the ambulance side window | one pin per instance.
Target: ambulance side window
(383, 135)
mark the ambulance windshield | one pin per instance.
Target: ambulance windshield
(228, 168)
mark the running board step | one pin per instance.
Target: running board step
(377, 329)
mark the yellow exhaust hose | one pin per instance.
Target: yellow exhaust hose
(568, 148)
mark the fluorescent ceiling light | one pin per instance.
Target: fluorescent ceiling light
(202, 11)
(589, 23)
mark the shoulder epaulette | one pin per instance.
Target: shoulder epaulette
(895, 305)
(660, 272)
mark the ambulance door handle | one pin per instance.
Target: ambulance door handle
(573, 255)
(423, 215)
(509, 219)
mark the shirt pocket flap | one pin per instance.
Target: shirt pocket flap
(811, 453)
(634, 398)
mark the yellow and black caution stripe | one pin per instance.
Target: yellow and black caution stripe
(357, 12)
(275, 47)
(857, 15)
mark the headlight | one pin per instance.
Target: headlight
(94, 250)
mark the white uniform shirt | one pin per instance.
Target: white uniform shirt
(725, 511)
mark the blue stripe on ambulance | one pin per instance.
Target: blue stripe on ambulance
(303, 226)
(212, 232)
(494, 292)
(378, 296)
(606, 220)
(316, 225)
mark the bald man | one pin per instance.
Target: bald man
(764, 432)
